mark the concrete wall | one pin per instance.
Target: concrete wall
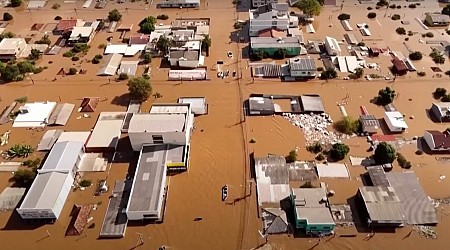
(138, 139)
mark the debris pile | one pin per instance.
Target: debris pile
(315, 127)
(428, 232)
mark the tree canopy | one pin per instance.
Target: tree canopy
(416, 55)
(140, 88)
(339, 151)
(206, 42)
(44, 40)
(16, 3)
(384, 153)
(446, 10)
(386, 96)
(7, 16)
(8, 34)
(114, 15)
(163, 44)
(347, 125)
(34, 54)
(147, 25)
(292, 156)
(309, 7)
(328, 74)
(11, 73)
(24, 177)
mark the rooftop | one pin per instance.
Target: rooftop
(312, 103)
(440, 139)
(307, 64)
(378, 176)
(62, 157)
(67, 24)
(170, 108)
(148, 180)
(106, 133)
(10, 46)
(147, 122)
(332, 170)
(78, 32)
(310, 204)
(396, 118)
(34, 114)
(272, 179)
(184, 55)
(440, 18)
(272, 42)
(382, 203)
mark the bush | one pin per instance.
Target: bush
(257, 55)
(384, 153)
(395, 17)
(280, 54)
(439, 93)
(438, 57)
(416, 56)
(412, 6)
(406, 39)
(372, 15)
(85, 183)
(386, 96)
(421, 73)
(307, 184)
(44, 40)
(38, 70)
(402, 162)
(139, 88)
(147, 58)
(72, 71)
(98, 56)
(162, 17)
(24, 177)
(339, 151)
(102, 46)
(7, 16)
(361, 44)
(392, 6)
(68, 54)
(369, 8)
(429, 34)
(123, 76)
(315, 148)
(320, 157)
(57, 18)
(382, 3)
(292, 156)
(328, 74)
(410, 33)
(401, 31)
(319, 68)
(95, 60)
(34, 54)
(80, 47)
(56, 6)
(238, 25)
(114, 15)
(75, 58)
(16, 3)
(22, 99)
(347, 125)
(399, 6)
(344, 16)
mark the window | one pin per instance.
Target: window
(157, 139)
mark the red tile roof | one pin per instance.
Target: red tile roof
(441, 139)
(399, 64)
(139, 39)
(65, 25)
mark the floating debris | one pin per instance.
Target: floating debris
(428, 232)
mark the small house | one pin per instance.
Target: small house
(399, 67)
(369, 123)
(178, 4)
(434, 20)
(302, 67)
(332, 46)
(395, 121)
(275, 221)
(89, 104)
(441, 111)
(374, 51)
(12, 48)
(270, 45)
(81, 35)
(437, 141)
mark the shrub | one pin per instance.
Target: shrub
(438, 57)
(399, 6)
(401, 31)
(416, 56)
(44, 40)
(57, 18)
(339, 151)
(147, 58)
(238, 25)
(95, 60)
(421, 73)
(410, 33)
(328, 74)
(447, 73)
(98, 56)
(80, 47)
(369, 8)
(429, 34)
(320, 157)
(38, 70)
(319, 68)
(392, 6)
(386, 96)
(72, 71)
(75, 58)
(123, 76)
(412, 6)
(344, 16)
(402, 162)
(257, 55)
(102, 46)
(395, 17)
(24, 177)
(292, 156)
(7, 16)
(162, 17)
(315, 148)
(85, 183)
(15, 3)
(383, 3)
(114, 15)
(56, 6)
(372, 15)
(384, 153)
(406, 39)
(139, 88)
(68, 54)
(22, 99)
(361, 44)
(347, 125)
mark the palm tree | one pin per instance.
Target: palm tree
(164, 43)
(206, 44)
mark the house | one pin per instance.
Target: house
(441, 111)
(50, 189)
(311, 211)
(106, 133)
(437, 141)
(369, 123)
(302, 67)
(395, 121)
(184, 58)
(88, 104)
(399, 67)
(12, 48)
(198, 104)
(259, 3)
(178, 4)
(271, 16)
(81, 34)
(332, 46)
(434, 20)
(269, 45)
(275, 221)
(139, 39)
(380, 206)
(110, 66)
(34, 114)
(66, 25)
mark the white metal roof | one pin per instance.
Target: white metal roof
(332, 170)
(396, 119)
(33, 4)
(128, 67)
(106, 133)
(111, 65)
(62, 157)
(45, 190)
(333, 43)
(10, 46)
(78, 32)
(198, 104)
(128, 50)
(170, 109)
(157, 123)
(37, 115)
(78, 136)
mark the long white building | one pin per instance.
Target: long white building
(50, 189)
(271, 16)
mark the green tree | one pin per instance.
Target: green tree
(438, 57)
(386, 96)
(72, 71)
(44, 40)
(8, 34)
(163, 44)
(416, 56)
(315, 148)
(371, 15)
(123, 76)
(400, 31)
(344, 16)
(147, 25)
(140, 88)
(114, 15)
(347, 125)
(206, 43)
(7, 16)
(11, 73)
(384, 153)
(309, 7)
(359, 72)
(328, 74)
(24, 177)
(34, 54)
(80, 47)
(25, 67)
(339, 151)
(292, 156)
(446, 10)
(279, 54)
(439, 93)
(16, 3)
(85, 183)
(147, 58)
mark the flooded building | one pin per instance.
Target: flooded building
(311, 211)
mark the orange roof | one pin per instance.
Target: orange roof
(66, 24)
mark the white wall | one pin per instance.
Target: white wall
(188, 64)
(64, 193)
(41, 213)
(302, 73)
(391, 127)
(140, 138)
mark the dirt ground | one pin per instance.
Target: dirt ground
(219, 146)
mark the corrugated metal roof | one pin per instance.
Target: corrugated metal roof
(170, 109)
(61, 114)
(49, 139)
(111, 65)
(107, 130)
(307, 64)
(157, 123)
(63, 156)
(382, 203)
